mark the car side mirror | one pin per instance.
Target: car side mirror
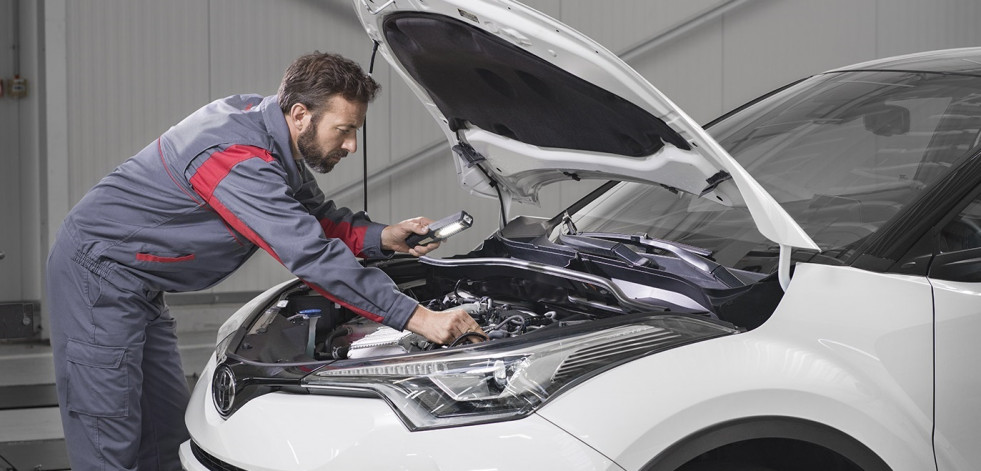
(887, 120)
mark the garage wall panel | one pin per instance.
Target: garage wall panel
(551, 8)
(770, 43)
(623, 24)
(134, 69)
(912, 26)
(252, 42)
(412, 127)
(689, 71)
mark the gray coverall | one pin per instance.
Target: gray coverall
(181, 215)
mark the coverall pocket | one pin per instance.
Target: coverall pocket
(98, 382)
(89, 280)
(92, 284)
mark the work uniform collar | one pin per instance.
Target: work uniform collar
(276, 126)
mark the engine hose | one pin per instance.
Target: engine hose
(329, 349)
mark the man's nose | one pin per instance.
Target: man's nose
(350, 144)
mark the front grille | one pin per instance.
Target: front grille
(613, 350)
(210, 462)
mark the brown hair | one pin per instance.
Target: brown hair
(313, 78)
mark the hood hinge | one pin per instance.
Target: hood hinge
(468, 154)
(473, 158)
(714, 181)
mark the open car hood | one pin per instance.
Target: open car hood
(525, 100)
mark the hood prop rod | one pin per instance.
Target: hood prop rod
(364, 134)
(783, 266)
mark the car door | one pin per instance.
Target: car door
(955, 274)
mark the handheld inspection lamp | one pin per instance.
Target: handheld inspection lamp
(442, 229)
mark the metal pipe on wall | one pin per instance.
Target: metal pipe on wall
(680, 29)
(15, 29)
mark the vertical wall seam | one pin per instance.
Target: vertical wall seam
(722, 64)
(875, 28)
(211, 76)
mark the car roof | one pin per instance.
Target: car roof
(964, 61)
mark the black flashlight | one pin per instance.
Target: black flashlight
(442, 229)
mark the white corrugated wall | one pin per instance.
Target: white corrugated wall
(135, 67)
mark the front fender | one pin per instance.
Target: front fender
(846, 349)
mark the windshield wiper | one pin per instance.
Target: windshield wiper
(694, 257)
(606, 248)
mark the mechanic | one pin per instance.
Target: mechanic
(183, 214)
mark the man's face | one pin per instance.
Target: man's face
(331, 134)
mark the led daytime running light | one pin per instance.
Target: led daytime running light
(450, 388)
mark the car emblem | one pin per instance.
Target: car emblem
(223, 389)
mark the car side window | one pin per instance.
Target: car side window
(964, 231)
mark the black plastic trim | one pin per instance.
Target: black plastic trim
(963, 266)
(210, 461)
(957, 265)
(750, 428)
(894, 242)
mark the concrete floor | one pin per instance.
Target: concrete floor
(31, 437)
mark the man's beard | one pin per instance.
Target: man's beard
(314, 157)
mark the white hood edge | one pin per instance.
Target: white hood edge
(522, 168)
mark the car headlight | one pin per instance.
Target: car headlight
(505, 380)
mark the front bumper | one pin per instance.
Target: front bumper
(280, 431)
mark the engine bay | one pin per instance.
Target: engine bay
(511, 286)
(507, 298)
(362, 338)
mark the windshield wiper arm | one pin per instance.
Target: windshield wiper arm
(606, 248)
(693, 256)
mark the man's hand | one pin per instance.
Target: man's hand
(443, 327)
(393, 236)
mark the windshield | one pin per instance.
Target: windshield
(841, 152)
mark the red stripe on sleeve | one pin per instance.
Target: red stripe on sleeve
(352, 236)
(217, 167)
(211, 173)
(245, 230)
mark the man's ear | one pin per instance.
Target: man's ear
(299, 114)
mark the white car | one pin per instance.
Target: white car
(796, 289)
